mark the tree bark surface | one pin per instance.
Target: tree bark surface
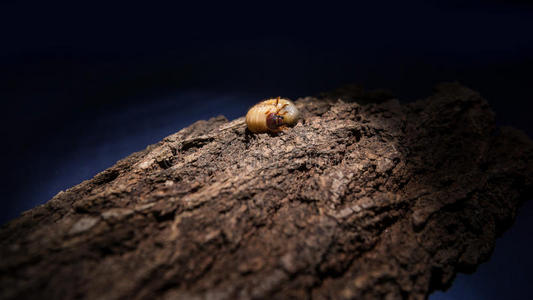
(376, 200)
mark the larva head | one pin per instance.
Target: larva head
(274, 121)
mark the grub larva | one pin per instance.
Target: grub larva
(272, 115)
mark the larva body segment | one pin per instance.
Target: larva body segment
(272, 115)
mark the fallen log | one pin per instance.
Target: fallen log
(364, 198)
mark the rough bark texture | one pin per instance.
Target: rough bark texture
(357, 201)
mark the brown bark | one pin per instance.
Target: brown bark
(356, 201)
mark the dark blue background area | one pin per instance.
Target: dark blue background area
(84, 85)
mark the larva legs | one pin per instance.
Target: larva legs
(279, 108)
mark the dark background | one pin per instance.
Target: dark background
(84, 85)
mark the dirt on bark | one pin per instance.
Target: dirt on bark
(365, 198)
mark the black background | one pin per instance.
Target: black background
(85, 84)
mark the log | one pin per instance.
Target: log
(364, 198)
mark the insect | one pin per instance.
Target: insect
(272, 115)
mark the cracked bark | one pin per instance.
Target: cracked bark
(380, 200)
